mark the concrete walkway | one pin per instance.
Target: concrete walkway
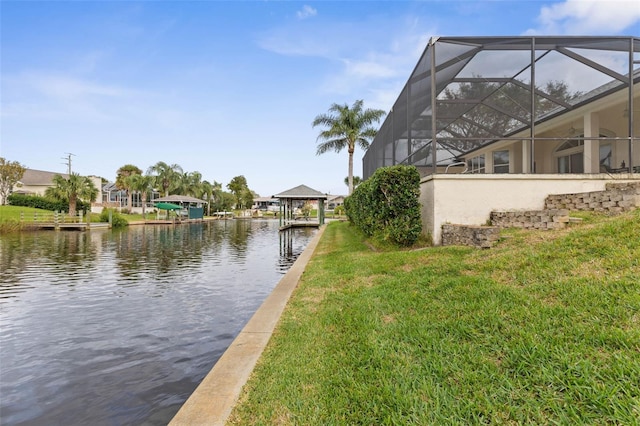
(212, 401)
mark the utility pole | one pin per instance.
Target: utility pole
(68, 162)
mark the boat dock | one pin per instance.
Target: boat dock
(77, 226)
(60, 221)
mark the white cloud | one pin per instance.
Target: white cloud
(64, 87)
(56, 96)
(588, 17)
(306, 12)
(364, 62)
(369, 69)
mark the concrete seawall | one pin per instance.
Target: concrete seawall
(213, 400)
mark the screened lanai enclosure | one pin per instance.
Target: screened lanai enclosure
(516, 105)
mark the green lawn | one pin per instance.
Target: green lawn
(11, 216)
(542, 329)
(13, 213)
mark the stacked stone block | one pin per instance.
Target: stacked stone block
(616, 198)
(467, 235)
(531, 219)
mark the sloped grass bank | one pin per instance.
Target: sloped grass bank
(544, 328)
(18, 218)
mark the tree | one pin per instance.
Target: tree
(122, 181)
(72, 189)
(10, 173)
(357, 180)
(189, 184)
(142, 184)
(345, 128)
(240, 190)
(223, 201)
(166, 176)
(208, 193)
(246, 198)
(502, 109)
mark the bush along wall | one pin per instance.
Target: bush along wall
(117, 220)
(39, 202)
(387, 205)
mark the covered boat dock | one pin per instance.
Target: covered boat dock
(188, 207)
(291, 203)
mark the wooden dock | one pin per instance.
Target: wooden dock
(60, 221)
(69, 226)
(300, 224)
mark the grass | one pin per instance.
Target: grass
(11, 217)
(13, 213)
(542, 329)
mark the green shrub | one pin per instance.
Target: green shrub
(39, 202)
(117, 220)
(386, 205)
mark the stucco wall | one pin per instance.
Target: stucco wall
(469, 199)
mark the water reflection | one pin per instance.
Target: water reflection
(119, 327)
(291, 245)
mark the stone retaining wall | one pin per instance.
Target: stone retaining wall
(532, 219)
(616, 198)
(468, 235)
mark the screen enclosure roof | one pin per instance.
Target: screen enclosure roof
(468, 92)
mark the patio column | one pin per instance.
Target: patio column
(526, 156)
(591, 157)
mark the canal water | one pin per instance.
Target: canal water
(119, 327)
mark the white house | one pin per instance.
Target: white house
(499, 123)
(36, 182)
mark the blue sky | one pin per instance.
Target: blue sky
(231, 88)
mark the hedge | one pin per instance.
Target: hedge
(39, 202)
(387, 205)
(117, 220)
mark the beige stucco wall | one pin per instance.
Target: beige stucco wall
(31, 189)
(469, 199)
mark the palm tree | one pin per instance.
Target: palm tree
(207, 194)
(165, 175)
(357, 180)
(72, 189)
(142, 184)
(122, 182)
(345, 128)
(189, 184)
(239, 188)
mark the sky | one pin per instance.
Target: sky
(229, 88)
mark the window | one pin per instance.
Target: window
(501, 161)
(570, 155)
(571, 163)
(605, 156)
(476, 164)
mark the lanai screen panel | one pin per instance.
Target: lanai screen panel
(484, 93)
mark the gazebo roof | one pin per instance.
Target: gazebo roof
(178, 199)
(302, 192)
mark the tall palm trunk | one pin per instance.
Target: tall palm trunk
(350, 176)
(72, 204)
(144, 202)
